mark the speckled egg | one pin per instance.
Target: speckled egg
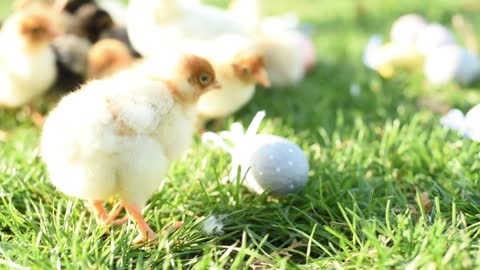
(433, 36)
(271, 162)
(406, 28)
(452, 63)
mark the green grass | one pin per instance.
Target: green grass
(373, 158)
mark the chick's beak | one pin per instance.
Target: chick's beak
(261, 77)
(216, 85)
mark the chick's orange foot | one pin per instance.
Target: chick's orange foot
(146, 233)
(105, 218)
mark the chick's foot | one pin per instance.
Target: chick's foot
(146, 234)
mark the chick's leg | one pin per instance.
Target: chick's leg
(99, 210)
(146, 233)
(111, 219)
(107, 218)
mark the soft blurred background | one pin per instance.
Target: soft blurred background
(389, 187)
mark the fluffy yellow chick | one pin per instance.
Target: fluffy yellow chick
(107, 57)
(392, 57)
(165, 22)
(27, 62)
(239, 67)
(118, 136)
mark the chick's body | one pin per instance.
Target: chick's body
(119, 146)
(25, 76)
(226, 102)
(27, 63)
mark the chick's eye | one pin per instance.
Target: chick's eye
(204, 78)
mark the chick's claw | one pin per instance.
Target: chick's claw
(144, 237)
(105, 218)
(146, 233)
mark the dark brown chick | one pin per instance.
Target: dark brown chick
(89, 21)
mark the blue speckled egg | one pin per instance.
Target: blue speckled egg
(271, 162)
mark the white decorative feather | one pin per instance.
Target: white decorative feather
(262, 161)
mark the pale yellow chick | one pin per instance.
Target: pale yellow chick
(155, 23)
(117, 137)
(239, 67)
(392, 57)
(27, 62)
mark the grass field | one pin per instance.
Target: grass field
(389, 188)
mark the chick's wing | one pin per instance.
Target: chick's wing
(138, 115)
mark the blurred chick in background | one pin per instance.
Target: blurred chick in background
(156, 23)
(137, 123)
(27, 61)
(86, 22)
(238, 66)
(71, 59)
(289, 54)
(107, 57)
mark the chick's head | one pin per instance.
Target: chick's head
(106, 57)
(71, 6)
(196, 77)
(37, 29)
(250, 68)
(93, 20)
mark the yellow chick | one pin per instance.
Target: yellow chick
(27, 62)
(118, 136)
(239, 67)
(107, 57)
(393, 57)
(388, 58)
